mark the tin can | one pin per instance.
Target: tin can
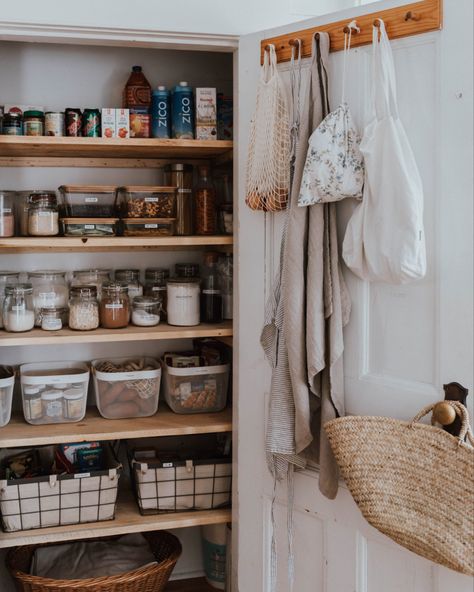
(183, 112)
(160, 113)
(91, 126)
(73, 122)
(54, 123)
(12, 124)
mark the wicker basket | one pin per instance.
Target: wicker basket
(412, 482)
(165, 546)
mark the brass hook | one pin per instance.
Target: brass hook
(412, 16)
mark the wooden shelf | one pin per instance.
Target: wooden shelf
(64, 244)
(127, 520)
(192, 585)
(130, 333)
(94, 427)
(141, 148)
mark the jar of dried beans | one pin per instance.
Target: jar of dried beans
(205, 202)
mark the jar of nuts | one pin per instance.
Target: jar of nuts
(140, 201)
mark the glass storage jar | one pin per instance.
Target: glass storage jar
(43, 214)
(6, 278)
(155, 285)
(91, 277)
(49, 290)
(53, 319)
(131, 277)
(114, 306)
(146, 311)
(187, 270)
(7, 213)
(181, 176)
(205, 204)
(83, 308)
(18, 309)
(183, 301)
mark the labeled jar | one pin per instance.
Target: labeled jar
(33, 123)
(7, 213)
(146, 311)
(114, 306)
(49, 291)
(32, 403)
(6, 278)
(12, 124)
(91, 277)
(43, 215)
(155, 285)
(183, 302)
(181, 176)
(83, 308)
(18, 309)
(131, 277)
(53, 319)
(187, 270)
(73, 404)
(52, 404)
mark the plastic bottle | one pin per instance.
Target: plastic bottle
(137, 91)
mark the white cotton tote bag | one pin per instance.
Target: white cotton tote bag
(385, 239)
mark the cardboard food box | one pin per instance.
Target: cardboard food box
(122, 123)
(108, 123)
(206, 114)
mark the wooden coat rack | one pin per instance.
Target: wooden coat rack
(402, 21)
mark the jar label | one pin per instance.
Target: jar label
(91, 199)
(151, 199)
(114, 305)
(158, 288)
(18, 307)
(89, 226)
(51, 324)
(211, 291)
(185, 190)
(6, 211)
(151, 225)
(54, 409)
(44, 214)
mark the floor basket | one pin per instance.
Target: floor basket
(165, 546)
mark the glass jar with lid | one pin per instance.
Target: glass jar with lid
(43, 214)
(6, 278)
(183, 301)
(155, 285)
(184, 270)
(146, 311)
(49, 290)
(53, 319)
(18, 309)
(91, 277)
(114, 310)
(83, 308)
(131, 277)
(7, 213)
(181, 176)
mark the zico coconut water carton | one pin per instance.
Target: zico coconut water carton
(160, 113)
(182, 106)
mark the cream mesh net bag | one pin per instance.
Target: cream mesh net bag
(268, 170)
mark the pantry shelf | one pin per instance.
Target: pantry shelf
(142, 148)
(131, 333)
(94, 427)
(127, 520)
(118, 243)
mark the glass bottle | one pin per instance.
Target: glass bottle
(181, 176)
(205, 202)
(137, 91)
(211, 295)
(18, 309)
(114, 306)
(131, 277)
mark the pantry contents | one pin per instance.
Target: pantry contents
(18, 308)
(183, 301)
(83, 308)
(89, 226)
(49, 291)
(148, 201)
(155, 285)
(54, 123)
(114, 306)
(215, 554)
(33, 123)
(130, 277)
(88, 201)
(43, 214)
(54, 392)
(126, 388)
(91, 125)
(161, 113)
(137, 92)
(206, 114)
(225, 125)
(223, 184)
(211, 295)
(36, 479)
(148, 226)
(7, 213)
(181, 176)
(187, 270)
(12, 124)
(182, 112)
(73, 122)
(6, 278)
(146, 311)
(225, 268)
(7, 382)
(53, 319)
(91, 277)
(205, 203)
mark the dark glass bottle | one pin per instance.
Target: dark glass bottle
(211, 295)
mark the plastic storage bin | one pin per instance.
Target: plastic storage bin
(57, 500)
(141, 201)
(126, 394)
(89, 226)
(148, 226)
(54, 392)
(196, 390)
(88, 201)
(6, 395)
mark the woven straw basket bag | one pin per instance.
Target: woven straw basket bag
(412, 482)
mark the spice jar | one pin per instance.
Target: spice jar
(73, 404)
(130, 277)
(181, 176)
(32, 404)
(7, 213)
(114, 306)
(12, 124)
(146, 311)
(33, 123)
(49, 291)
(18, 310)
(6, 278)
(155, 285)
(83, 308)
(183, 301)
(52, 405)
(91, 277)
(205, 202)
(53, 319)
(43, 215)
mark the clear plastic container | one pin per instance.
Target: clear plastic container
(7, 213)
(123, 390)
(196, 390)
(49, 291)
(148, 226)
(141, 201)
(91, 277)
(18, 309)
(88, 201)
(6, 394)
(45, 385)
(89, 226)
(7, 278)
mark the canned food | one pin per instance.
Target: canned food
(73, 122)
(54, 123)
(33, 123)
(91, 127)
(12, 124)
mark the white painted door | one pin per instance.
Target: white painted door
(402, 344)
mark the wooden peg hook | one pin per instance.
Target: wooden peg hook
(354, 29)
(412, 16)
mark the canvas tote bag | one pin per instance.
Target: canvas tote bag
(268, 167)
(385, 239)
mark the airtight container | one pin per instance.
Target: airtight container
(6, 394)
(148, 226)
(89, 226)
(88, 201)
(126, 388)
(196, 390)
(140, 201)
(54, 392)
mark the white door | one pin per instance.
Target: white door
(402, 344)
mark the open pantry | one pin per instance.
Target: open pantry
(57, 76)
